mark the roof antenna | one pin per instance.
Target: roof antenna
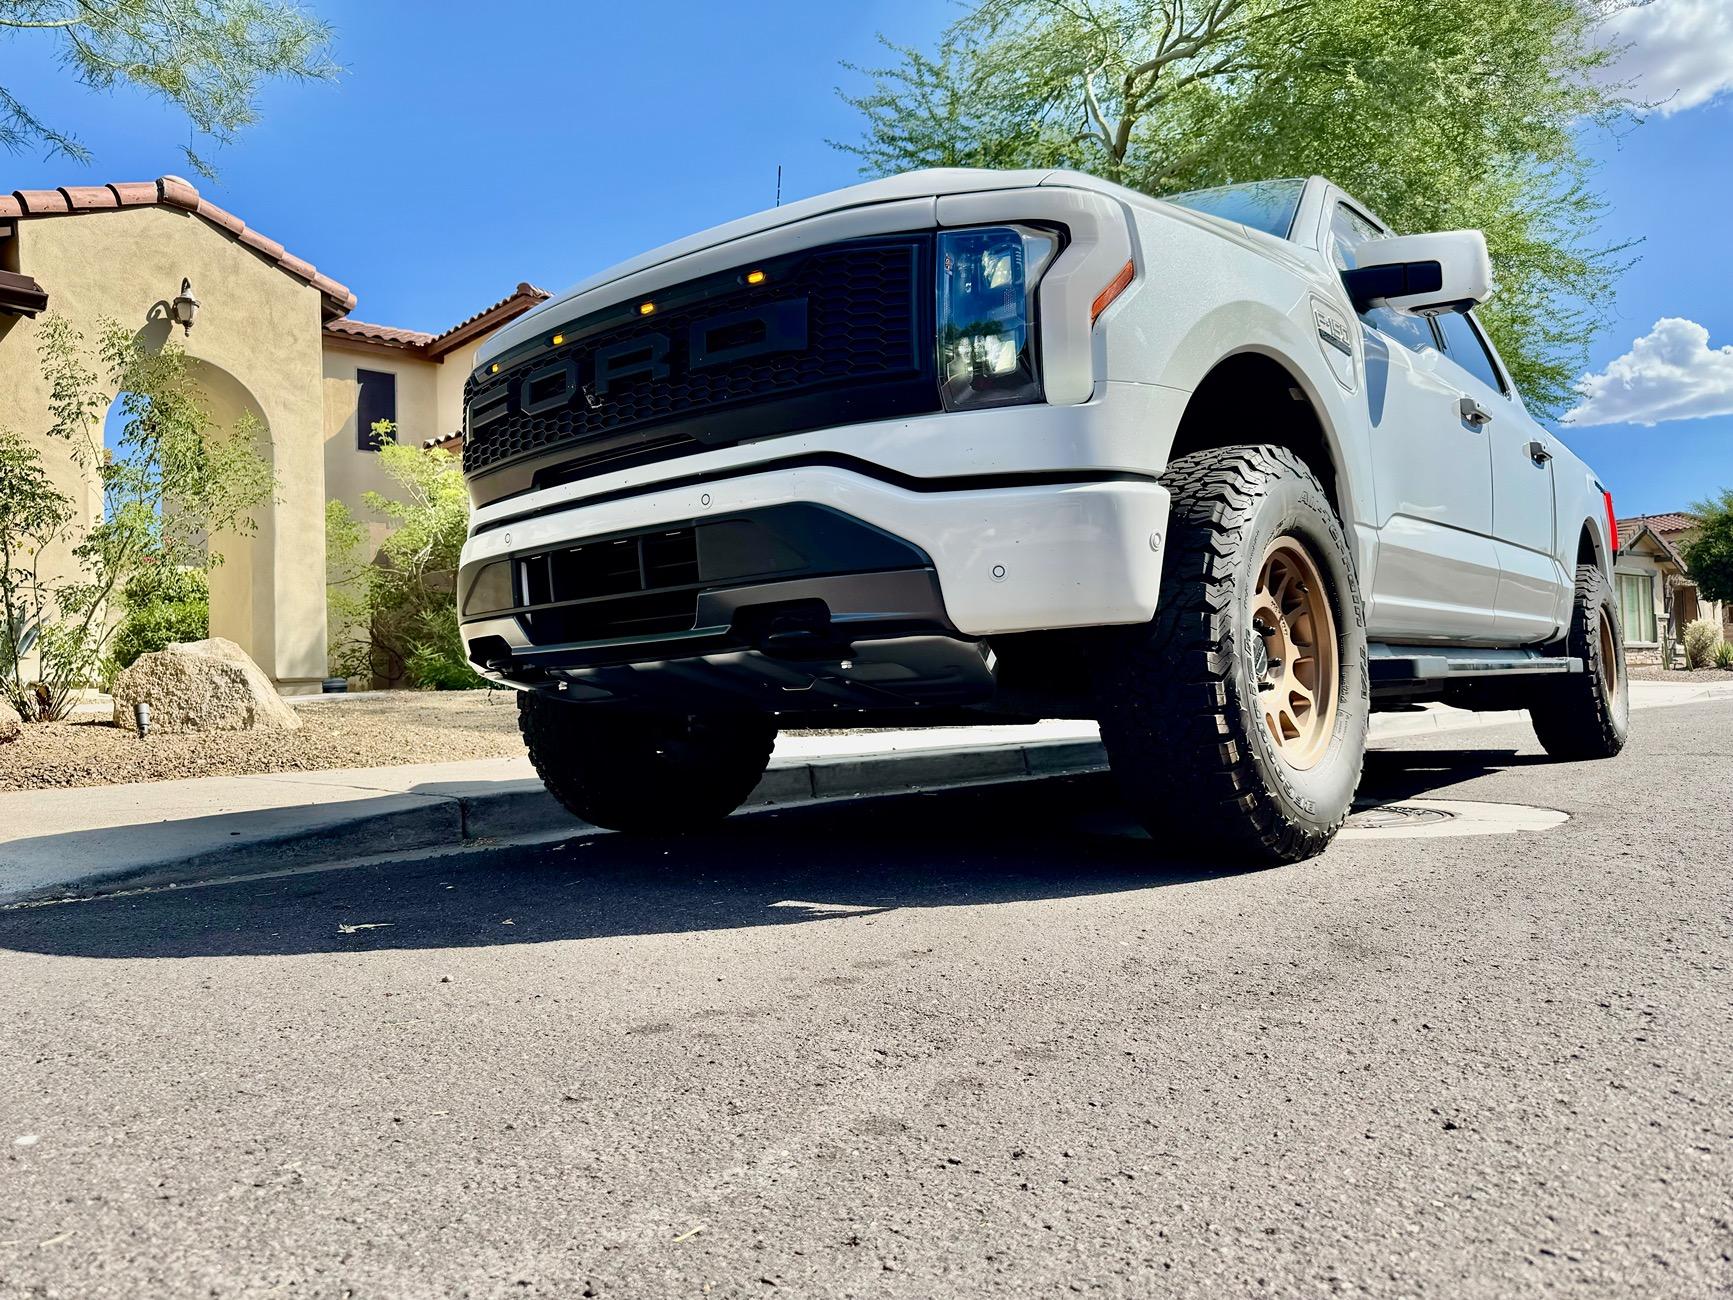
(779, 185)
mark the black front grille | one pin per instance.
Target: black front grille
(712, 363)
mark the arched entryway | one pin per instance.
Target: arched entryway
(242, 560)
(243, 605)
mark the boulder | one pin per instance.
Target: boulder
(10, 723)
(208, 685)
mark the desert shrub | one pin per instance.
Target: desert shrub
(394, 616)
(1701, 638)
(436, 660)
(1724, 655)
(162, 605)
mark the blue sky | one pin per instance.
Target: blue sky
(468, 147)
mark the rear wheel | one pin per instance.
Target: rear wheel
(1588, 714)
(1235, 722)
(644, 772)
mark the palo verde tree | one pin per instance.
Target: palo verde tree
(1709, 553)
(206, 57)
(1447, 114)
(168, 482)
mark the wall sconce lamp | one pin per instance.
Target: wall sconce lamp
(185, 306)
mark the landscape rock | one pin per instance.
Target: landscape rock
(10, 723)
(208, 685)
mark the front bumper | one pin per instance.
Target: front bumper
(981, 562)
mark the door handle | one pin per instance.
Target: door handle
(1474, 413)
(1538, 453)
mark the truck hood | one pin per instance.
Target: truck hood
(932, 183)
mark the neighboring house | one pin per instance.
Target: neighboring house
(271, 337)
(1656, 595)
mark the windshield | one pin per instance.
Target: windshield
(1268, 206)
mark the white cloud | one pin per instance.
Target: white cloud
(1680, 52)
(1671, 373)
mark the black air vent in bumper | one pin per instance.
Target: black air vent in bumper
(650, 582)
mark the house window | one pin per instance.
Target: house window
(1637, 606)
(375, 400)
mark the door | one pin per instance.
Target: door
(1437, 574)
(1533, 588)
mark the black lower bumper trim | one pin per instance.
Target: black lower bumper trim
(900, 675)
(795, 619)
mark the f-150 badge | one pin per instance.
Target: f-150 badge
(1333, 330)
(1335, 342)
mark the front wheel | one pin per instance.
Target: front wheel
(644, 772)
(1235, 722)
(1588, 714)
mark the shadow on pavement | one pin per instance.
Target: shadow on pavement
(1414, 773)
(1018, 842)
(991, 844)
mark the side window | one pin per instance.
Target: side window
(1348, 231)
(375, 400)
(1464, 346)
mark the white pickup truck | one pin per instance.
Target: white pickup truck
(1225, 471)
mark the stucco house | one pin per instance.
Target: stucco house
(272, 337)
(1656, 595)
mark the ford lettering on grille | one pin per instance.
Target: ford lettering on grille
(712, 341)
(841, 332)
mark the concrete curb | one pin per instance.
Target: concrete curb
(474, 813)
(318, 818)
(518, 812)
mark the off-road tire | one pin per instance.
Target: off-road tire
(640, 772)
(1588, 714)
(1177, 698)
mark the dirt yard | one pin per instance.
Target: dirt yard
(1679, 676)
(375, 729)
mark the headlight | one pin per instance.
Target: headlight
(986, 318)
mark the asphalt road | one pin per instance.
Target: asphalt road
(967, 1044)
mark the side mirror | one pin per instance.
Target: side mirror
(1422, 274)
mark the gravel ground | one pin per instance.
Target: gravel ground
(1680, 676)
(372, 730)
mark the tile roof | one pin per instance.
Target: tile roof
(173, 192)
(1633, 530)
(1675, 522)
(432, 347)
(384, 335)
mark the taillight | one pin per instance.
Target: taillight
(1612, 520)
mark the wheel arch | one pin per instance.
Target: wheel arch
(1257, 394)
(1592, 547)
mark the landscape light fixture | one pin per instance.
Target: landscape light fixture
(185, 306)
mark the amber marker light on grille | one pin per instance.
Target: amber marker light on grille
(559, 339)
(1116, 286)
(755, 277)
(493, 369)
(645, 308)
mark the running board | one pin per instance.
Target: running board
(1392, 666)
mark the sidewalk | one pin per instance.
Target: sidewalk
(167, 830)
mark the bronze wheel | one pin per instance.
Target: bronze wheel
(1609, 659)
(1587, 715)
(1235, 722)
(1293, 648)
